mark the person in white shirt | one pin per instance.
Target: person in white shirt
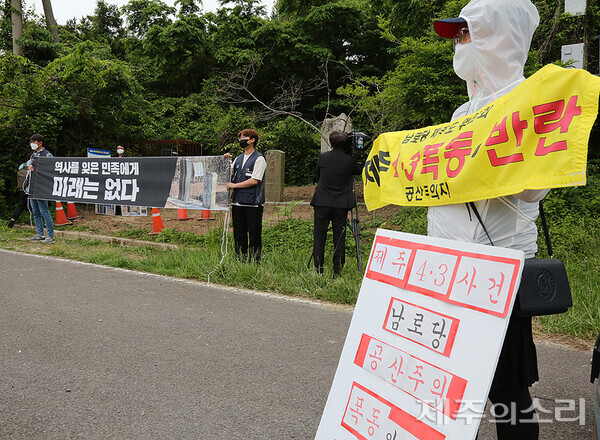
(247, 196)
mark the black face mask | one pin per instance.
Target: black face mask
(243, 143)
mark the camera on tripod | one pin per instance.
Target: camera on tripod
(357, 143)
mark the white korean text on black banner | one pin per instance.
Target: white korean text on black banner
(162, 182)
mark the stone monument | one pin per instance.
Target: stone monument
(342, 122)
(274, 175)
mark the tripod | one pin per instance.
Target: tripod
(354, 226)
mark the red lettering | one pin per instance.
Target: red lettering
(518, 126)
(501, 136)
(413, 166)
(542, 150)
(430, 160)
(458, 148)
(549, 117)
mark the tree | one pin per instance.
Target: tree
(143, 14)
(17, 25)
(50, 21)
(180, 56)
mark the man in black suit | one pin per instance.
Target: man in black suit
(332, 200)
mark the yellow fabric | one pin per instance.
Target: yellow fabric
(535, 137)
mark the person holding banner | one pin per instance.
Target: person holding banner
(248, 196)
(23, 196)
(492, 40)
(120, 153)
(332, 200)
(41, 213)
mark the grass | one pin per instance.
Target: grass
(285, 267)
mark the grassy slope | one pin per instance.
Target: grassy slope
(574, 225)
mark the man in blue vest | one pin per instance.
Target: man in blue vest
(248, 196)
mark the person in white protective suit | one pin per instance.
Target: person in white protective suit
(492, 40)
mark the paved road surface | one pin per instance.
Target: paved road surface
(94, 353)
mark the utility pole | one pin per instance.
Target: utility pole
(17, 25)
(50, 21)
(576, 52)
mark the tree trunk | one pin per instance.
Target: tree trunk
(17, 25)
(50, 21)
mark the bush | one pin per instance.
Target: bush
(301, 146)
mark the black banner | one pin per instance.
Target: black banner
(143, 181)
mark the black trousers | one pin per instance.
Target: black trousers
(516, 372)
(515, 417)
(338, 219)
(22, 206)
(247, 231)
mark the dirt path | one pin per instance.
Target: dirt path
(295, 205)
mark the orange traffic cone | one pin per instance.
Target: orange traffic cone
(72, 212)
(182, 215)
(61, 218)
(206, 215)
(157, 223)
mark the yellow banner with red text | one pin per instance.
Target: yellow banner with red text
(535, 137)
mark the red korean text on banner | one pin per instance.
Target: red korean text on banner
(369, 416)
(459, 278)
(431, 385)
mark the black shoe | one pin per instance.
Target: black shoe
(11, 223)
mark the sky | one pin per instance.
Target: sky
(66, 9)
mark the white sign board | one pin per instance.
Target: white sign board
(424, 340)
(574, 53)
(575, 7)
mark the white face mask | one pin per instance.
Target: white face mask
(464, 61)
(120, 151)
(33, 146)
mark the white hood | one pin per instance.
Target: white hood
(501, 33)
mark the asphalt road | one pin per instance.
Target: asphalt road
(90, 352)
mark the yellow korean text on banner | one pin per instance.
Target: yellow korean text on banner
(535, 137)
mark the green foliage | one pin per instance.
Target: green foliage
(558, 28)
(286, 210)
(5, 27)
(137, 233)
(152, 71)
(427, 90)
(580, 201)
(143, 14)
(413, 18)
(289, 231)
(38, 46)
(422, 90)
(180, 55)
(169, 235)
(411, 220)
(301, 147)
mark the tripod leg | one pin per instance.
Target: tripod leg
(354, 226)
(357, 240)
